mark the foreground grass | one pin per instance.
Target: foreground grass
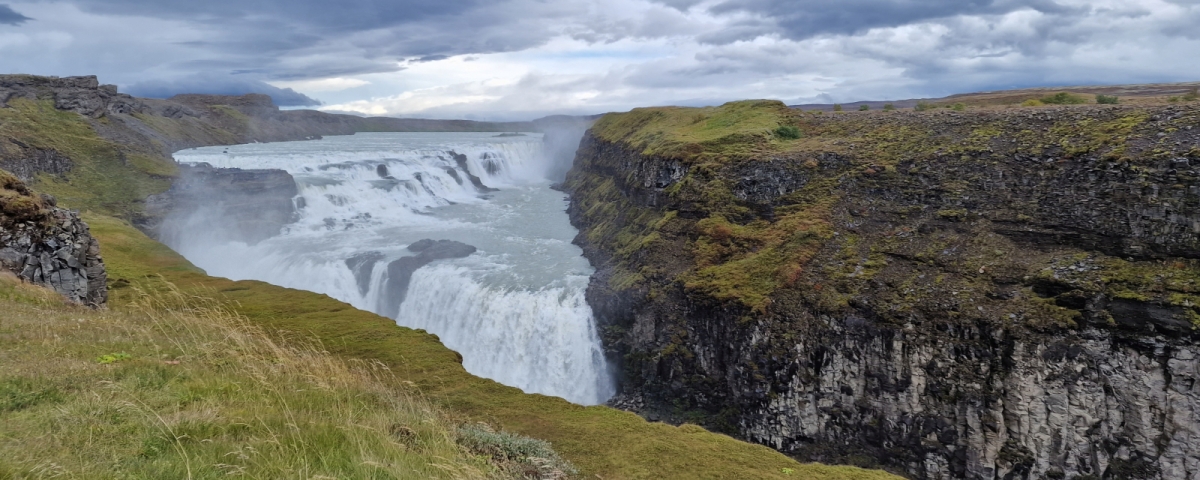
(177, 386)
(597, 440)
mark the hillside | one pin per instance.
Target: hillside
(100, 152)
(985, 293)
(1142, 94)
(175, 386)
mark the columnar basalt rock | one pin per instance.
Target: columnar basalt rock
(1008, 308)
(49, 246)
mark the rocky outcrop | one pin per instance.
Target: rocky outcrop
(399, 272)
(49, 246)
(990, 295)
(82, 95)
(250, 205)
(461, 161)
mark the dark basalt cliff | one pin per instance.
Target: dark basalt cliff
(994, 294)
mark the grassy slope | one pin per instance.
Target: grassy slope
(109, 183)
(106, 177)
(185, 389)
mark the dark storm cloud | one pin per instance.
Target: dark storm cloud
(301, 39)
(324, 16)
(220, 85)
(10, 17)
(385, 31)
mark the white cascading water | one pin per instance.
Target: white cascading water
(515, 309)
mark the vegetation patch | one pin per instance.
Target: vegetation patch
(1063, 98)
(17, 203)
(736, 129)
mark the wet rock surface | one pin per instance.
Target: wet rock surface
(399, 272)
(991, 309)
(461, 160)
(49, 246)
(362, 265)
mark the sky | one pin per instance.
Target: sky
(522, 59)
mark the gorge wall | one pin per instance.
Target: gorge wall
(251, 205)
(1009, 293)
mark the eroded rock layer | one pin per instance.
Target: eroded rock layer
(983, 295)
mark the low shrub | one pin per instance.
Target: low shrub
(958, 107)
(837, 107)
(922, 106)
(889, 107)
(517, 454)
(1192, 95)
(1063, 98)
(1107, 99)
(1033, 102)
(787, 132)
(863, 108)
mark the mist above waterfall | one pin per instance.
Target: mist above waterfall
(514, 308)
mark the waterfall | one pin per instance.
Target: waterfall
(515, 309)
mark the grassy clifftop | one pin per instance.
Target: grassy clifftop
(106, 166)
(766, 187)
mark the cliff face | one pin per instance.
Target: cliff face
(253, 205)
(49, 246)
(82, 95)
(993, 294)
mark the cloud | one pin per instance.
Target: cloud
(220, 85)
(8, 16)
(800, 19)
(335, 84)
